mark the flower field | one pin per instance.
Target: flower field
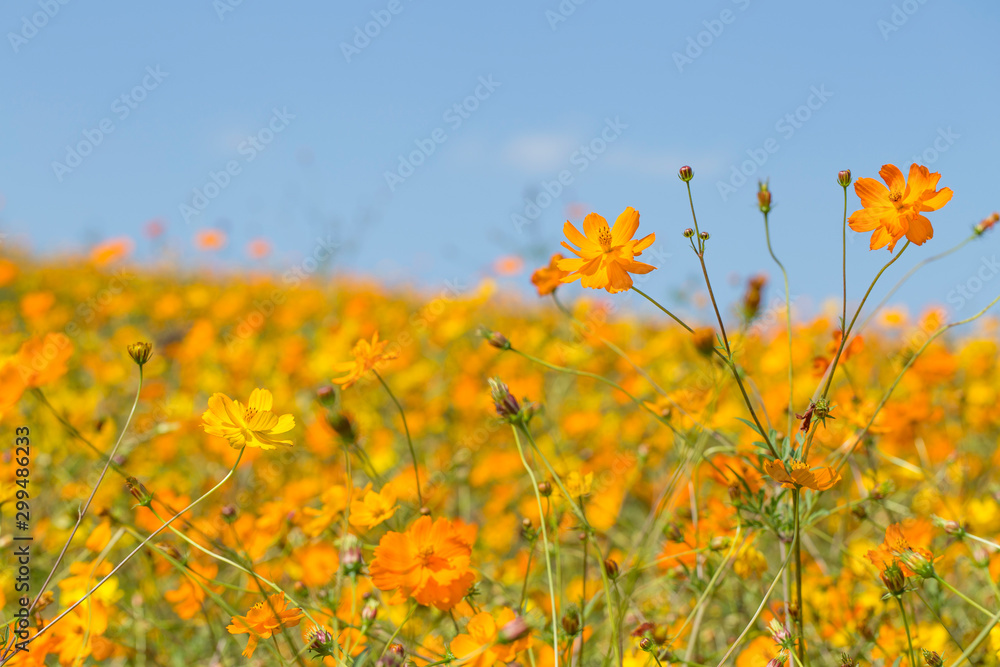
(210, 469)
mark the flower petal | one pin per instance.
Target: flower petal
(625, 227)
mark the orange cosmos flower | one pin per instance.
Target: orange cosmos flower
(548, 278)
(258, 248)
(366, 357)
(252, 425)
(38, 362)
(429, 562)
(899, 549)
(373, 509)
(108, 251)
(491, 640)
(210, 239)
(801, 476)
(508, 265)
(894, 212)
(604, 258)
(263, 619)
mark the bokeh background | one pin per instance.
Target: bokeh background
(339, 95)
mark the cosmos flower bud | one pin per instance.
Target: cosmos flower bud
(140, 352)
(932, 659)
(571, 622)
(321, 641)
(351, 560)
(894, 580)
(370, 611)
(342, 426)
(704, 236)
(326, 395)
(504, 401)
(646, 644)
(229, 513)
(514, 630)
(846, 660)
(545, 488)
(986, 223)
(688, 233)
(919, 563)
(704, 340)
(494, 338)
(685, 173)
(844, 177)
(611, 568)
(764, 198)
(138, 491)
(775, 662)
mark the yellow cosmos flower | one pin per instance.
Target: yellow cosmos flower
(579, 485)
(605, 257)
(801, 476)
(250, 425)
(366, 356)
(373, 509)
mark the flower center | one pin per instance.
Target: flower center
(896, 198)
(249, 414)
(604, 238)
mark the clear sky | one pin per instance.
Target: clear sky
(309, 114)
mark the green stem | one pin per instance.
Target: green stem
(657, 304)
(545, 546)
(395, 634)
(906, 626)
(788, 322)
(90, 499)
(409, 441)
(136, 550)
(967, 599)
(847, 332)
(797, 549)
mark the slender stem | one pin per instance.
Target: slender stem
(797, 548)
(656, 303)
(545, 546)
(906, 625)
(788, 324)
(847, 332)
(756, 615)
(395, 634)
(134, 552)
(90, 499)
(977, 641)
(909, 274)
(843, 255)
(732, 367)
(409, 441)
(969, 601)
(583, 594)
(527, 572)
(906, 367)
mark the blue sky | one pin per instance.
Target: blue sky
(309, 114)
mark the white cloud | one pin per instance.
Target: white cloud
(539, 152)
